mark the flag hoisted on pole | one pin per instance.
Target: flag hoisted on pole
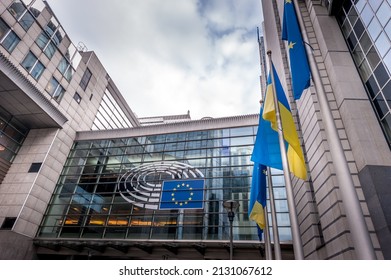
(281, 115)
(360, 235)
(300, 69)
(277, 145)
(266, 148)
(258, 197)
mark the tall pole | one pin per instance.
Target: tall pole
(276, 237)
(231, 216)
(268, 243)
(296, 239)
(358, 228)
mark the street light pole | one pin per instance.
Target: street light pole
(231, 206)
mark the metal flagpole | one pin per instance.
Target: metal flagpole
(358, 228)
(268, 243)
(296, 239)
(276, 237)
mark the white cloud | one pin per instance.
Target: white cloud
(167, 57)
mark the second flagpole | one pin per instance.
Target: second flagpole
(296, 237)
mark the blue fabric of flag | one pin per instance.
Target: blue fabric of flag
(182, 194)
(258, 196)
(300, 69)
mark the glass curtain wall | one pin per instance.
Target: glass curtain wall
(87, 202)
(366, 26)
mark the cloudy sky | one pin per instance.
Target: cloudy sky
(168, 57)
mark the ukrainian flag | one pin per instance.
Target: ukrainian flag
(258, 197)
(266, 148)
(294, 152)
(300, 69)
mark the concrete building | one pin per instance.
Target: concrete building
(350, 41)
(49, 91)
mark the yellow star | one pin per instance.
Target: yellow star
(290, 45)
(172, 194)
(189, 198)
(173, 199)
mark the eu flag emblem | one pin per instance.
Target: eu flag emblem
(182, 194)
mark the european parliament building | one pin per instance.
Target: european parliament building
(82, 177)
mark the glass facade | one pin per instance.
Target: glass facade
(366, 26)
(110, 114)
(107, 188)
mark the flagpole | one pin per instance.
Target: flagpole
(296, 238)
(268, 243)
(358, 228)
(276, 237)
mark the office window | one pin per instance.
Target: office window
(35, 166)
(85, 79)
(45, 44)
(8, 223)
(55, 89)
(77, 97)
(8, 38)
(11, 41)
(26, 21)
(66, 69)
(17, 9)
(3, 28)
(33, 65)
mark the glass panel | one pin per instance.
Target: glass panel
(352, 15)
(37, 8)
(358, 54)
(384, 13)
(352, 40)
(50, 50)
(358, 28)
(52, 85)
(382, 44)
(372, 86)
(387, 93)
(17, 8)
(11, 41)
(381, 75)
(365, 70)
(29, 61)
(60, 34)
(26, 21)
(386, 122)
(374, 28)
(63, 65)
(373, 57)
(367, 14)
(42, 40)
(375, 4)
(59, 93)
(381, 106)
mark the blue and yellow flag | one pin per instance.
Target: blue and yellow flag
(300, 69)
(182, 194)
(258, 197)
(266, 148)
